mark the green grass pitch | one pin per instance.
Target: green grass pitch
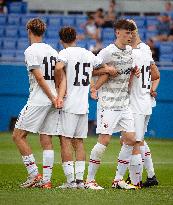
(12, 173)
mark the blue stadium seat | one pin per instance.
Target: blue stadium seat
(165, 58)
(7, 55)
(82, 43)
(54, 21)
(106, 43)
(1, 31)
(52, 34)
(1, 40)
(17, 7)
(68, 21)
(19, 56)
(13, 19)
(25, 18)
(151, 21)
(79, 30)
(150, 34)
(11, 31)
(90, 44)
(3, 19)
(108, 34)
(9, 44)
(22, 44)
(52, 42)
(22, 32)
(140, 23)
(165, 48)
(142, 32)
(80, 20)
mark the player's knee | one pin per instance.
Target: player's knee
(46, 142)
(104, 139)
(18, 135)
(131, 141)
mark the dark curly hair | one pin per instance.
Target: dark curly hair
(36, 26)
(67, 34)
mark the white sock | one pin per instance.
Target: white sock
(95, 158)
(123, 161)
(148, 163)
(48, 160)
(135, 169)
(142, 149)
(68, 168)
(79, 169)
(29, 162)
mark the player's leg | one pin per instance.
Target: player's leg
(78, 145)
(105, 124)
(48, 160)
(80, 161)
(148, 164)
(49, 127)
(19, 137)
(67, 162)
(126, 123)
(68, 131)
(147, 160)
(29, 120)
(136, 165)
(124, 160)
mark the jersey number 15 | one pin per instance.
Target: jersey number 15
(85, 82)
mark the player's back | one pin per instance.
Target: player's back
(79, 66)
(40, 56)
(140, 99)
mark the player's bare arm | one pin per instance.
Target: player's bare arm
(105, 69)
(43, 84)
(95, 86)
(155, 74)
(154, 86)
(62, 90)
(59, 73)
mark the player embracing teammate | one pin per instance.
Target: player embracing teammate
(58, 105)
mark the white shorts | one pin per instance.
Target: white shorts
(141, 123)
(111, 121)
(40, 119)
(74, 125)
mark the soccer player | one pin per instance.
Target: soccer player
(39, 115)
(78, 64)
(114, 113)
(142, 91)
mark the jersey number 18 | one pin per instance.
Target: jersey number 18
(49, 65)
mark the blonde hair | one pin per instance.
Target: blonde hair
(134, 23)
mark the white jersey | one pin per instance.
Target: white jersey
(40, 56)
(79, 66)
(114, 93)
(141, 101)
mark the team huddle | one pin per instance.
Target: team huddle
(123, 78)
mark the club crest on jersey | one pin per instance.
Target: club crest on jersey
(105, 125)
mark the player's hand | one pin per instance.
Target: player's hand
(112, 71)
(153, 93)
(136, 71)
(60, 102)
(54, 101)
(93, 93)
